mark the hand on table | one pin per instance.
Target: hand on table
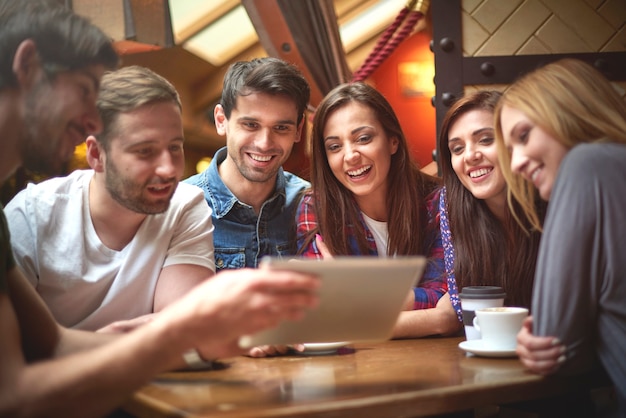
(542, 355)
(273, 350)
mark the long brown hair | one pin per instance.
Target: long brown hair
(407, 186)
(487, 250)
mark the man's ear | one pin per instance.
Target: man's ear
(95, 154)
(26, 63)
(220, 120)
(299, 130)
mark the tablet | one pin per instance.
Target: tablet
(360, 300)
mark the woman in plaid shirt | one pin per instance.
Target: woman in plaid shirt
(369, 198)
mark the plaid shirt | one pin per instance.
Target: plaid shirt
(434, 281)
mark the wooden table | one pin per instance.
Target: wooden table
(403, 378)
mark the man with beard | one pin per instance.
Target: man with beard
(138, 239)
(51, 63)
(261, 113)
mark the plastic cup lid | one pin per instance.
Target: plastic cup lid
(482, 292)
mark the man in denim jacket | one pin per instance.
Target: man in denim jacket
(253, 200)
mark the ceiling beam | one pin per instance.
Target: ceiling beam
(184, 34)
(274, 35)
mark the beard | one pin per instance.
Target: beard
(39, 147)
(253, 174)
(129, 193)
(40, 160)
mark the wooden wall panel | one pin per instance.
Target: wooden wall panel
(518, 27)
(498, 40)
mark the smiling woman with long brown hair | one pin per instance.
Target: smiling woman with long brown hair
(369, 198)
(483, 243)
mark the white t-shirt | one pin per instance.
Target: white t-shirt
(85, 284)
(379, 232)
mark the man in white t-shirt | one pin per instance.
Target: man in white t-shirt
(124, 239)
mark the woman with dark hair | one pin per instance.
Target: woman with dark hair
(483, 242)
(369, 198)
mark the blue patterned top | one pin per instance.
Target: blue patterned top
(448, 254)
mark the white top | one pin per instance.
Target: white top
(380, 233)
(85, 284)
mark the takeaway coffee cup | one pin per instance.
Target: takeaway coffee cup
(498, 327)
(478, 297)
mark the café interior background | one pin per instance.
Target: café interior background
(211, 34)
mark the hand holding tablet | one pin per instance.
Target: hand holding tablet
(360, 300)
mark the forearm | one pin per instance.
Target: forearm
(426, 322)
(93, 382)
(76, 373)
(177, 280)
(73, 341)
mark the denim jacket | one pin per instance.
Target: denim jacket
(241, 238)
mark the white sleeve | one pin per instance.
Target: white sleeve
(192, 240)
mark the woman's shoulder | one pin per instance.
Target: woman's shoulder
(598, 157)
(432, 199)
(430, 183)
(307, 196)
(307, 202)
(589, 169)
(432, 204)
(600, 149)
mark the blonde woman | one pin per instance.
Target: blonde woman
(562, 130)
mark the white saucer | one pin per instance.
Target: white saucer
(322, 348)
(477, 347)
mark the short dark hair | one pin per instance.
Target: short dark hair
(264, 75)
(64, 40)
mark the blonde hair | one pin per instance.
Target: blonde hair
(572, 102)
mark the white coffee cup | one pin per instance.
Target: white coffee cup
(477, 297)
(498, 327)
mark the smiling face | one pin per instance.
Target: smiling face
(145, 159)
(474, 157)
(59, 114)
(535, 155)
(359, 152)
(260, 134)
